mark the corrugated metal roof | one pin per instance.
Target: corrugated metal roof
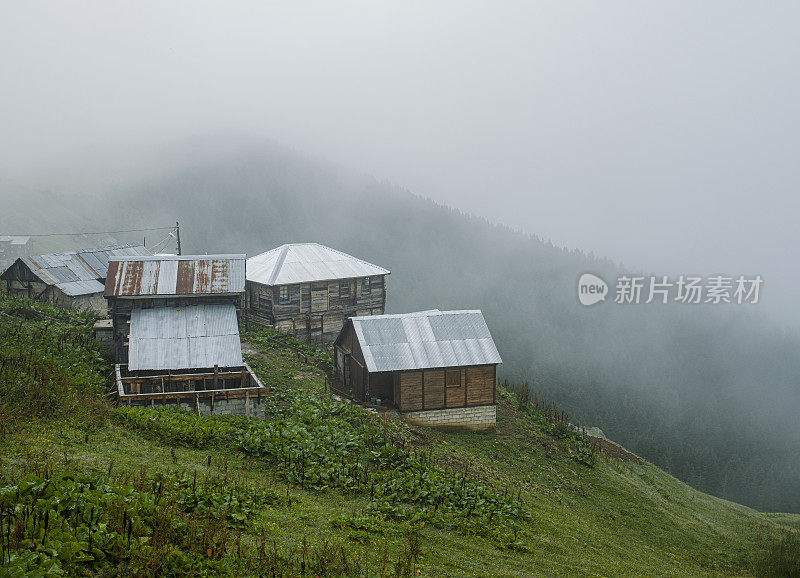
(14, 239)
(75, 288)
(194, 337)
(306, 262)
(424, 340)
(86, 265)
(175, 275)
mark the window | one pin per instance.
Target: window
(344, 288)
(284, 294)
(365, 288)
(453, 378)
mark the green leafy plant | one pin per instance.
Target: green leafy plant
(50, 364)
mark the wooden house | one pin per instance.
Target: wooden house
(69, 279)
(309, 289)
(176, 333)
(438, 368)
(170, 281)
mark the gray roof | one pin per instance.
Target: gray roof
(65, 269)
(75, 288)
(193, 337)
(306, 262)
(425, 339)
(175, 275)
(15, 239)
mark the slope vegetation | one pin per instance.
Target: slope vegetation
(323, 487)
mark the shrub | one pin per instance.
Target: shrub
(50, 364)
(782, 557)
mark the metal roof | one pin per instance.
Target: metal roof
(65, 269)
(424, 340)
(15, 239)
(175, 275)
(193, 337)
(306, 262)
(75, 288)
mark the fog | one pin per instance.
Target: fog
(663, 135)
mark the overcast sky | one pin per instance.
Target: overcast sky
(662, 134)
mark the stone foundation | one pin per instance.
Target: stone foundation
(480, 417)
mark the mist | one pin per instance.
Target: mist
(661, 135)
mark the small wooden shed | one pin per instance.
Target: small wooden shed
(69, 279)
(176, 333)
(309, 289)
(149, 282)
(438, 368)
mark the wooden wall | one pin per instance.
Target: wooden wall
(481, 381)
(433, 389)
(427, 389)
(456, 396)
(317, 310)
(411, 390)
(380, 385)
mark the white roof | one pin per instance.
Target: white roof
(76, 288)
(424, 340)
(14, 239)
(306, 262)
(193, 337)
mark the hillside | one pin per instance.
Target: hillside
(710, 395)
(322, 486)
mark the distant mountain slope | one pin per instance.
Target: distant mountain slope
(709, 394)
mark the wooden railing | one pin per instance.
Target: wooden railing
(234, 384)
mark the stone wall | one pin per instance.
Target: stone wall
(480, 417)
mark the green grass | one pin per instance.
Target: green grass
(615, 518)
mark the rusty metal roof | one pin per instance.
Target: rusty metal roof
(425, 340)
(306, 262)
(193, 337)
(175, 275)
(65, 269)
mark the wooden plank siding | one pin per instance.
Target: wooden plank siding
(319, 297)
(433, 389)
(426, 389)
(411, 390)
(317, 309)
(480, 384)
(456, 396)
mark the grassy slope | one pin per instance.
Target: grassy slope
(616, 518)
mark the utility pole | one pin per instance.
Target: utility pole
(178, 235)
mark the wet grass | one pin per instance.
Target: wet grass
(616, 518)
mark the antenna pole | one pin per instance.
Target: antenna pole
(178, 235)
